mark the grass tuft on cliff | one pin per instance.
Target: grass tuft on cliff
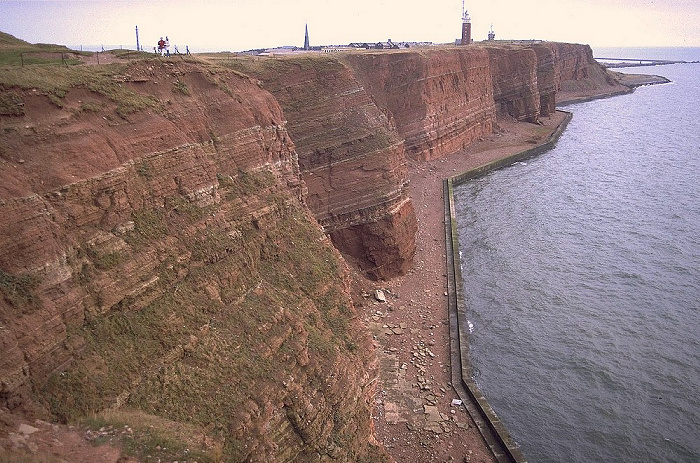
(148, 437)
(20, 291)
(16, 52)
(227, 318)
(56, 81)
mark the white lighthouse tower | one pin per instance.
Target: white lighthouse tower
(466, 26)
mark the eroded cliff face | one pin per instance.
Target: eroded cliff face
(357, 117)
(355, 120)
(578, 75)
(515, 84)
(527, 77)
(439, 101)
(156, 254)
(351, 157)
(164, 229)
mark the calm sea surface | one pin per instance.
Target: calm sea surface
(582, 280)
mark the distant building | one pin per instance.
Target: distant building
(492, 35)
(364, 45)
(388, 45)
(334, 49)
(307, 47)
(466, 27)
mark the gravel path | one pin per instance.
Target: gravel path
(414, 417)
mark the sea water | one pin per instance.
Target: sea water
(581, 273)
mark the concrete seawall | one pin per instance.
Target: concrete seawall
(490, 426)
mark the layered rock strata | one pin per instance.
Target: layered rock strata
(351, 157)
(439, 101)
(156, 255)
(528, 76)
(515, 85)
(157, 249)
(357, 117)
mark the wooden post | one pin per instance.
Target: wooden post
(21, 58)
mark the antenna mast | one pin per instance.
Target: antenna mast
(465, 14)
(466, 27)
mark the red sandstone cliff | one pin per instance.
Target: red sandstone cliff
(156, 255)
(578, 76)
(356, 117)
(528, 77)
(156, 247)
(351, 158)
(440, 100)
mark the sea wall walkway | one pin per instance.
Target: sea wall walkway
(492, 429)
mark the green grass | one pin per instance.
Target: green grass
(20, 291)
(22, 456)
(151, 438)
(149, 225)
(11, 104)
(107, 261)
(7, 40)
(318, 141)
(144, 169)
(245, 183)
(56, 82)
(197, 360)
(234, 305)
(269, 67)
(186, 209)
(180, 87)
(36, 56)
(16, 52)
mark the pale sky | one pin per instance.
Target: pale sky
(234, 25)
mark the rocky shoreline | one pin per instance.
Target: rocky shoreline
(419, 416)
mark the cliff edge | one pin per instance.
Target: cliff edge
(157, 258)
(357, 118)
(169, 233)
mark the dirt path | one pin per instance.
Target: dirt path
(414, 417)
